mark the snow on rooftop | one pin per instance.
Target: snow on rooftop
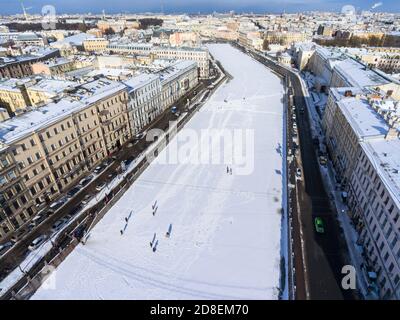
(141, 80)
(176, 69)
(385, 155)
(76, 39)
(52, 86)
(365, 121)
(22, 125)
(17, 127)
(356, 74)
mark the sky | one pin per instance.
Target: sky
(194, 6)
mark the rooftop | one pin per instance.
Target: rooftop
(79, 98)
(385, 155)
(76, 40)
(140, 81)
(365, 121)
(359, 75)
(52, 85)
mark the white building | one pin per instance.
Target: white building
(144, 100)
(362, 134)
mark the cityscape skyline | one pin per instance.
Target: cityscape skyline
(196, 6)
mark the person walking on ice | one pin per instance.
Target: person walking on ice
(155, 246)
(154, 239)
(168, 234)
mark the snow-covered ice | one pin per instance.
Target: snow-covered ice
(225, 235)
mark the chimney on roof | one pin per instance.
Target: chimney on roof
(348, 93)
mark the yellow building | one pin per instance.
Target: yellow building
(95, 45)
(49, 149)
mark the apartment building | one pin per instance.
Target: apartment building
(131, 48)
(53, 146)
(286, 38)
(4, 114)
(18, 94)
(151, 94)
(95, 45)
(13, 95)
(199, 55)
(362, 136)
(302, 53)
(21, 66)
(184, 39)
(145, 105)
(176, 81)
(43, 91)
(54, 67)
(11, 186)
(30, 39)
(350, 72)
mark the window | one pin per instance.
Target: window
(33, 143)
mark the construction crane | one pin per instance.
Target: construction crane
(24, 10)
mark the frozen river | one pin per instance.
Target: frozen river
(226, 228)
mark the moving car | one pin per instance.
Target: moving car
(319, 225)
(37, 242)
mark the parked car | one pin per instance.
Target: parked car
(5, 246)
(298, 173)
(86, 180)
(86, 199)
(319, 225)
(129, 161)
(101, 186)
(322, 161)
(75, 210)
(18, 235)
(58, 225)
(55, 205)
(139, 136)
(98, 169)
(39, 218)
(74, 191)
(37, 242)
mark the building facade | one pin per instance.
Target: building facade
(50, 148)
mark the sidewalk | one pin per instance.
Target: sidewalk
(335, 195)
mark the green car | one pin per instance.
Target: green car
(319, 225)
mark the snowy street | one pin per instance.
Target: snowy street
(224, 229)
